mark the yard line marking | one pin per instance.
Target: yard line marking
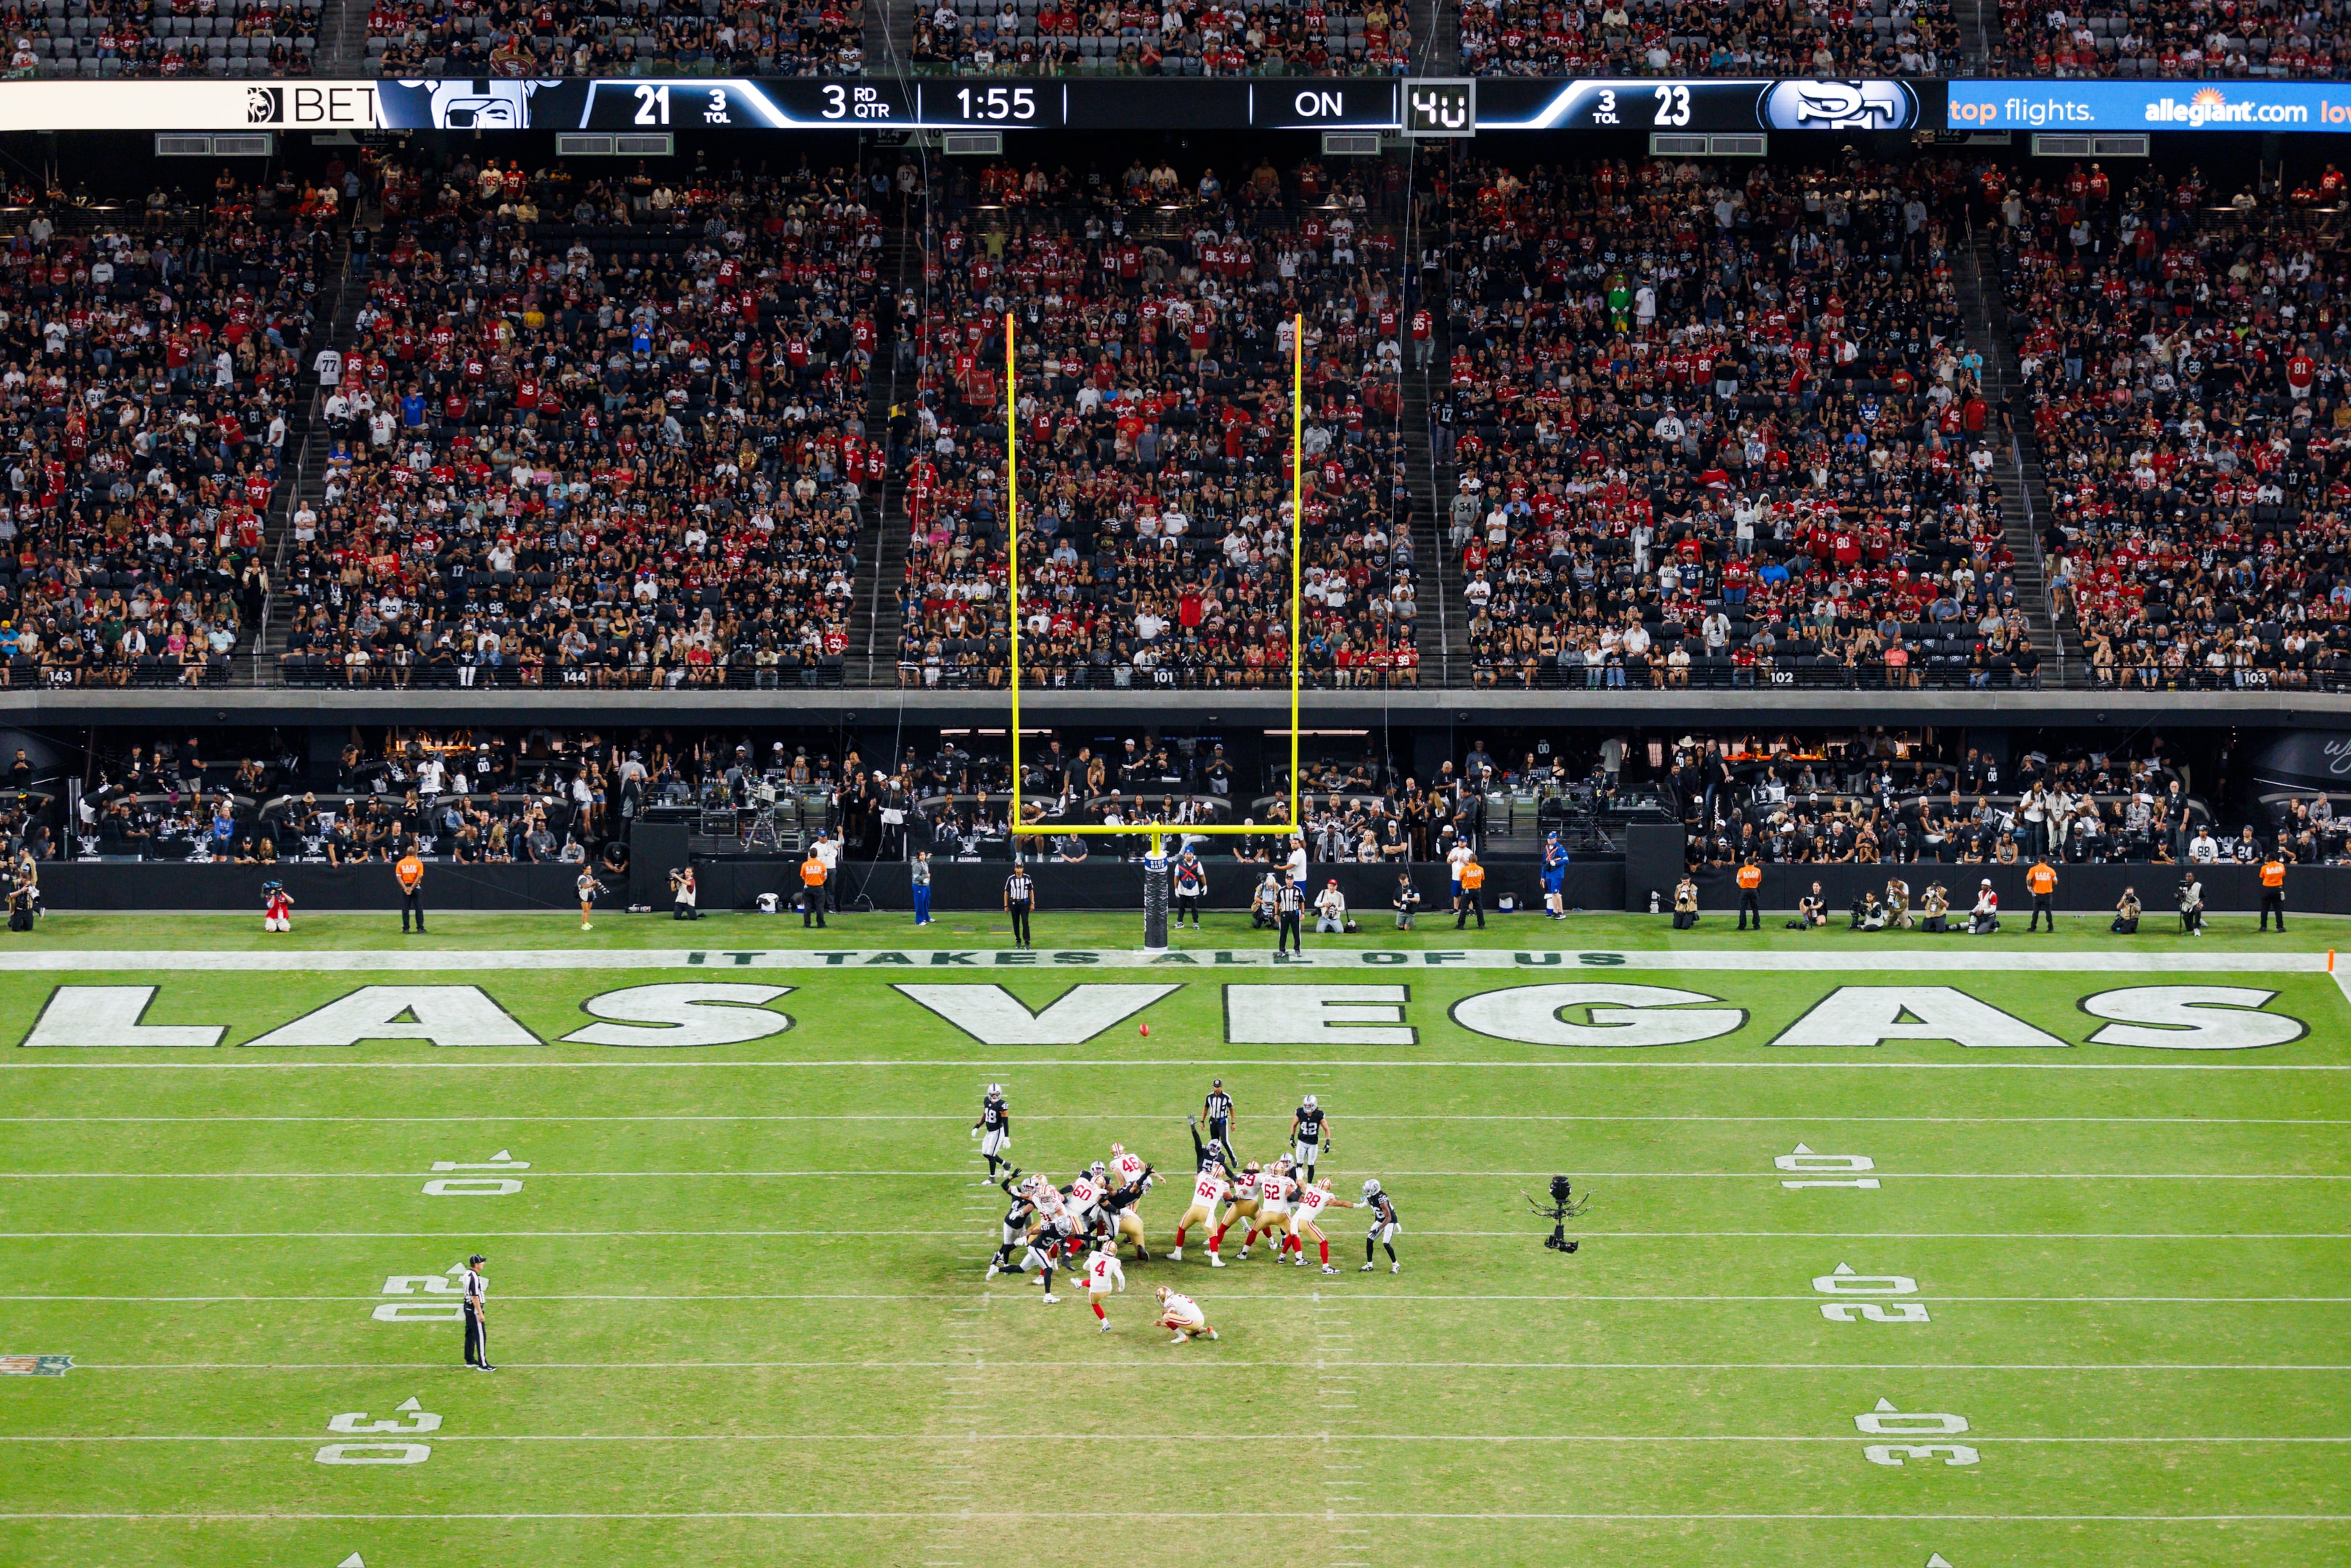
(1062, 1516)
(1514, 1235)
(1769, 1175)
(1125, 1118)
(1128, 1064)
(1352, 960)
(1483, 1437)
(1282, 1296)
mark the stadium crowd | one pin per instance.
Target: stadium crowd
(1155, 325)
(1169, 38)
(147, 386)
(2182, 362)
(1744, 37)
(110, 38)
(623, 445)
(617, 38)
(1718, 426)
(2169, 40)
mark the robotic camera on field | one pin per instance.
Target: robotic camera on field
(1563, 1206)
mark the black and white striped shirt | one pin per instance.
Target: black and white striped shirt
(1221, 1105)
(477, 1287)
(1289, 899)
(1018, 888)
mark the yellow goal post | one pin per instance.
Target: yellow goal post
(1012, 589)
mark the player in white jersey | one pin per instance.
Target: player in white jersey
(1104, 1275)
(1311, 1201)
(1125, 1166)
(1208, 1190)
(1243, 1207)
(1084, 1196)
(1274, 1186)
(1123, 1202)
(1181, 1313)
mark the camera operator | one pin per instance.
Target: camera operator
(681, 894)
(1810, 910)
(1685, 903)
(1935, 909)
(2191, 905)
(2126, 914)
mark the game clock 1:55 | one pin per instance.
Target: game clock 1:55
(996, 105)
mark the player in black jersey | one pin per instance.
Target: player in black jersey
(994, 1129)
(1016, 1220)
(1215, 1152)
(1118, 1208)
(1309, 1138)
(1384, 1225)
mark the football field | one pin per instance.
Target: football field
(2017, 1251)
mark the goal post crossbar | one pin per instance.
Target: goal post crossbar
(1012, 590)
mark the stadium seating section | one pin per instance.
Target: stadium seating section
(617, 38)
(148, 379)
(1720, 427)
(105, 38)
(625, 446)
(1155, 324)
(1653, 38)
(2169, 41)
(1175, 38)
(2179, 348)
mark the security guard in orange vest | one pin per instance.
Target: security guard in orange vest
(2040, 881)
(409, 869)
(812, 892)
(1473, 893)
(1751, 877)
(2273, 889)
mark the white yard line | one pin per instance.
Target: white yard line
(1288, 1300)
(1215, 1516)
(1125, 1117)
(1629, 1438)
(470, 1234)
(456, 1057)
(1206, 962)
(1773, 1176)
(2130, 1368)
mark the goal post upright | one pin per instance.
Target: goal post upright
(1297, 597)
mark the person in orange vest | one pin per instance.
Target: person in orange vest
(2273, 887)
(1473, 893)
(409, 869)
(812, 892)
(2040, 880)
(1751, 877)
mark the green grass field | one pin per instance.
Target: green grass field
(739, 1313)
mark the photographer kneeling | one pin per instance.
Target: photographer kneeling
(1810, 910)
(2126, 914)
(1984, 918)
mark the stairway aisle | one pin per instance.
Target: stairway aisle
(307, 437)
(2024, 493)
(874, 624)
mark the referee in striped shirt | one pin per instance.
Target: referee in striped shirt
(1019, 898)
(477, 1315)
